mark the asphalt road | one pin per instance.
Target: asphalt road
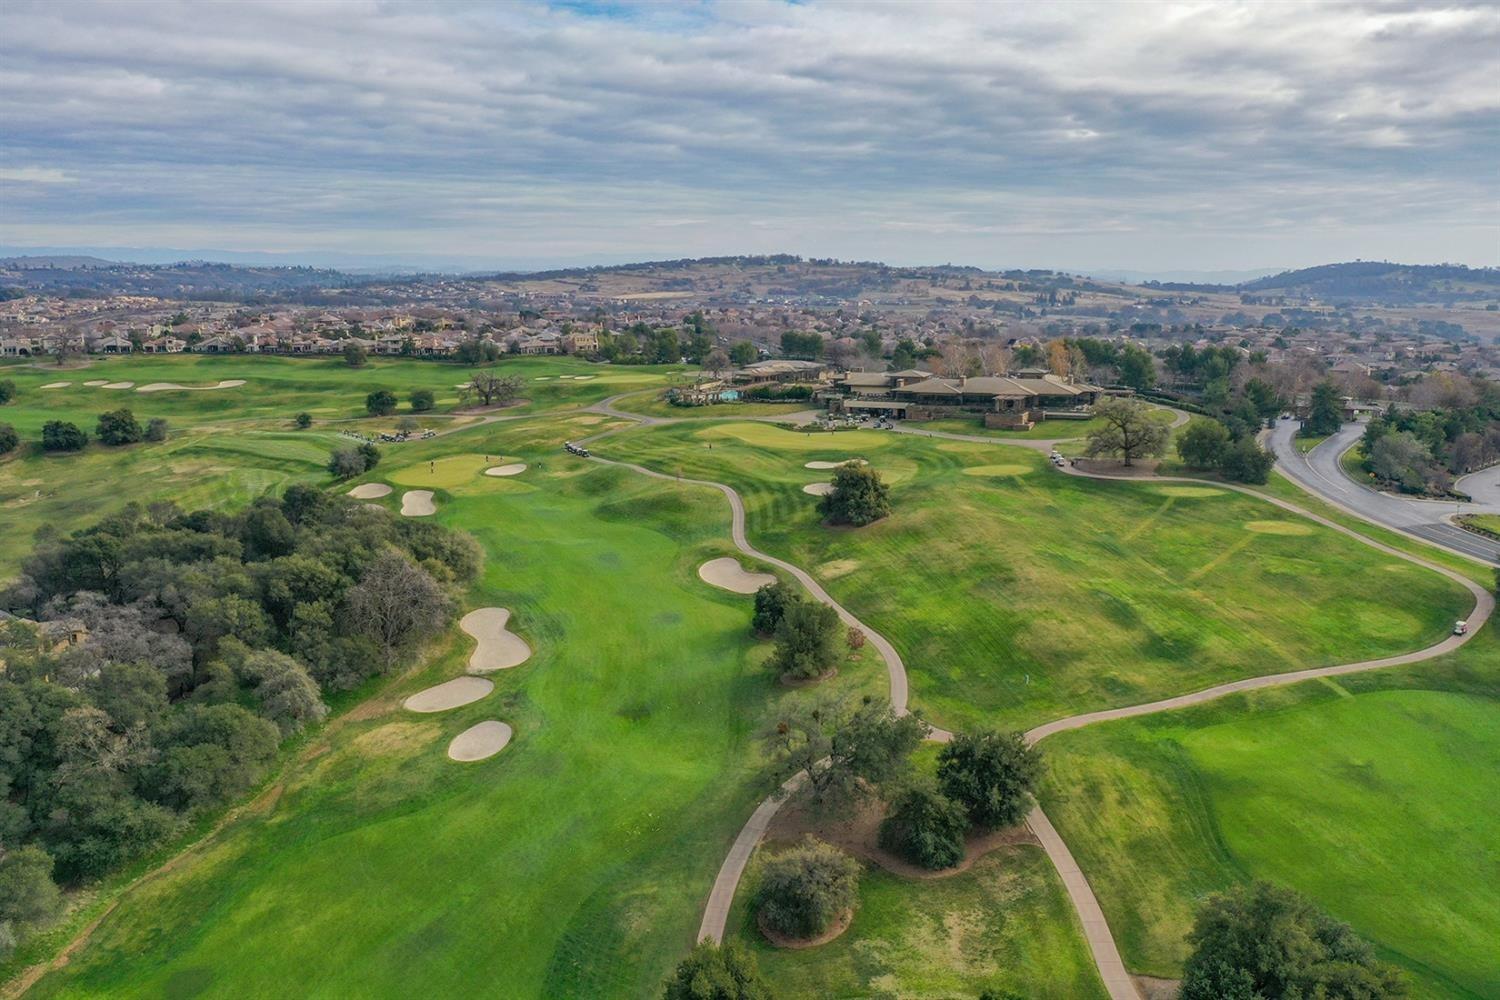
(1320, 473)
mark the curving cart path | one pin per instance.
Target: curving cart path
(1116, 978)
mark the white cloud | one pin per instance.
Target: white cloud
(34, 175)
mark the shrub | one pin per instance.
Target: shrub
(59, 435)
(354, 355)
(380, 403)
(859, 496)
(9, 439)
(991, 775)
(1245, 461)
(804, 890)
(422, 400)
(1202, 443)
(807, 640)
(346, 462)
(717, 972)
(771, 602)
(1269, 943)
(371, 455)
(303, 421)
(854, 639)
(156, 429)
(7, 391)
(118, 427)
(926, 828)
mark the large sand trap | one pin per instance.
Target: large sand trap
(369, 491)
(730, 575)
(499, 648)
(57, 385)
(228, 383)
(818, 489)
(417, 503)
(832, 465)
(449, 694)
(97, 382)
(117, 385)
(479, 742)
(514, 469)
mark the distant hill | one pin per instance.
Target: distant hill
(79, 276)
(1382, 283)
(60, 262)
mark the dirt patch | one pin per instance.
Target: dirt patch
(1145, 468)
(728, 574)
(369, 491)
(480, 742)
(859, 835)
(449, 694)
(836, 568)
(498, 648)
(840, 925)
(1158, 989)
(392, 737)
(818, 489)
(802, 682)
(417, 503)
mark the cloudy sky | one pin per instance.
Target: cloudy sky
(1145, 136)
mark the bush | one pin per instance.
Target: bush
(717, 972)
(926, 828)
(371, 455)
(118, 427)
(807, 640)
(303, 421)
(422, 400)
(804, 890)
(9, 439)
(1202, 443)
(1261, 941)
(7, 391)
(354, 355)
(771, 602)
(346, 462)
(59, 435)
(156, 429)
(859, 496)
(380, 403)
(1245, 461)
(991, 775)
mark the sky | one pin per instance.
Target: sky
(1142, 136)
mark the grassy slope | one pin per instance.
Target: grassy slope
(571, 864)
(1374, 795)
(227, 445)
(1022, 595)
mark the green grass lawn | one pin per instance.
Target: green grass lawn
(1374, 795)
(1045, 430)
(1307, 444)
(1005, 924)
(573, 864)
(1017, 594)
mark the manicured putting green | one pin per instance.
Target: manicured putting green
(442, 473)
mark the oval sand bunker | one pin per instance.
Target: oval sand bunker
(417, 503)
(1278, 528)
(95, 383)
(117, 385)
(449, 694)
(57, 385)
(833, 465)
(997, 470)
(514, 469)
(818, 489)
(731, 576)
(228, 383)
(369, 491)
(499, 648)
(479, 742)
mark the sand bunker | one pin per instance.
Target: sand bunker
(818, 489)
(514, 469)
(417, 503)
(499, 648)
(369, 491)
(997, 470)
(730, 575)
(117, 385)
(832, 465)
(57, 385)
(228, 383)
(479, 742)
(449, 694)
(97, 382)
(542, 378)
(1278, 528)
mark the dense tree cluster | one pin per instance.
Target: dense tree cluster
(350, 460)
(1261, 942)
(859, 496)
(1209, 444)
(156, 660)
(1423, 450)
(807, 632)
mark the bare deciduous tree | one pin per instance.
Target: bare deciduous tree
(490, 389)
(395, 602)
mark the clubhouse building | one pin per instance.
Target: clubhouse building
(1017, 400)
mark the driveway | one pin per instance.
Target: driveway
(1320, 473)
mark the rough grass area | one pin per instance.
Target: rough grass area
(1373, 795)
(1020, 597)
(1004, 925)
